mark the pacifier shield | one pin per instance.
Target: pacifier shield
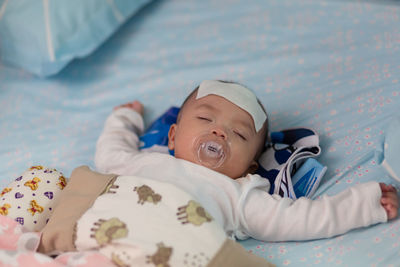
(211, 152)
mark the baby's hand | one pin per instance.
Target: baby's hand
(135, 105)
(389, 200)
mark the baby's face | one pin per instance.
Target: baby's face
(217, 134)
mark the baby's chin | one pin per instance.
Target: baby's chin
(220, 169)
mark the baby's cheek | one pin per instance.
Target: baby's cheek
(245, 155)
(240, 164)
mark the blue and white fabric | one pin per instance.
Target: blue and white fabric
(287, 163)
(155, 139)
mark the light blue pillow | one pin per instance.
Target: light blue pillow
(44, 36)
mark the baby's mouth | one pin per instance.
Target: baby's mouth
(211, 154)
(212, 149)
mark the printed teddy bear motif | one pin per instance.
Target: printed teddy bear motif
(161, 257)
(4, 209)
(5, 191)
(38, 167)
(33, 184)
(108, 230)
(35, 207)
(49, 170)
(62, 182)
(199, 259)
(193, 213)
(117, 259)
(145, 193)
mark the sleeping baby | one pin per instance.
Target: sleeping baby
(149, 209)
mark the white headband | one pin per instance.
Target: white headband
(238, 95)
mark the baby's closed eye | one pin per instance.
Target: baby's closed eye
(240, 135)
(204, 118)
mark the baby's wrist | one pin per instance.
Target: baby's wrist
(135, 105)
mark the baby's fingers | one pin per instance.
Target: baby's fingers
(390, 199)
(135, 105)
(387, 188)
(390, 203)
(391, 211)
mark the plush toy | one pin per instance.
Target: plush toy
(30, 198)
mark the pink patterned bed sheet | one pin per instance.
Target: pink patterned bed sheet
(18, 248)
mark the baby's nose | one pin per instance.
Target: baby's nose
(219, 132)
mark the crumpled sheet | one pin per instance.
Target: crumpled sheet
(18, 248)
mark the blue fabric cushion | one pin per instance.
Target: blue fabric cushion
(42, 37)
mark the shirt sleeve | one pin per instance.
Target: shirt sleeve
(273, 218)
(119, 141)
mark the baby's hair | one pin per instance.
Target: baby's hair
(266, 126)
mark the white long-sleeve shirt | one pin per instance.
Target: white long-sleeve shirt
(243, 207)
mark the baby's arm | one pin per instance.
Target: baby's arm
(119, 141)
(273, 218)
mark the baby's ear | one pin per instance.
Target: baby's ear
(171, 137)
(253, 167)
